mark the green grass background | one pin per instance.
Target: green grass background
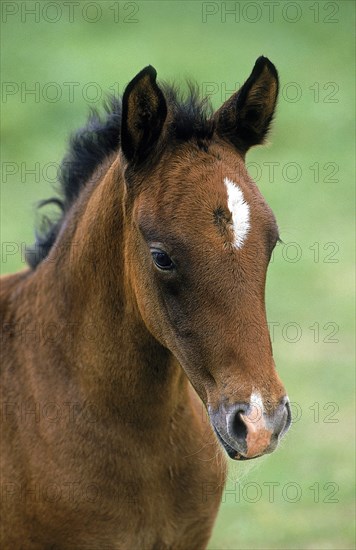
(311, 54)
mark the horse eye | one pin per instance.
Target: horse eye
(162, 260)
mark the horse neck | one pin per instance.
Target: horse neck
(114, 359)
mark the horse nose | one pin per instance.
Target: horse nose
(253, 432)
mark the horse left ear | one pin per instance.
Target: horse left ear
(245, 118)
(144, 110)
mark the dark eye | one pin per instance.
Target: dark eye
(162, 260)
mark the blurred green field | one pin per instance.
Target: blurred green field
(301, 497)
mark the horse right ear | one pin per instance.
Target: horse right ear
(144, 110)
(245, 118)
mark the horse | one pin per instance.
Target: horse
(136, 356)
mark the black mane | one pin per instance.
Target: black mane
(100, 137)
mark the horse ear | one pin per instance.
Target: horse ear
(144, 111)
(245, 118)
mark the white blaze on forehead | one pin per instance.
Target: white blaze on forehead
(240, 212)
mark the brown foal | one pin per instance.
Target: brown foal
(143, 306)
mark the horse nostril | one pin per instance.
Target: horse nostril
(238, 427)
(250, 430)
(288, 420)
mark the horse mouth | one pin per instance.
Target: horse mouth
(235, 455)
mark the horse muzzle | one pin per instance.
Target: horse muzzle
(246, 431)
